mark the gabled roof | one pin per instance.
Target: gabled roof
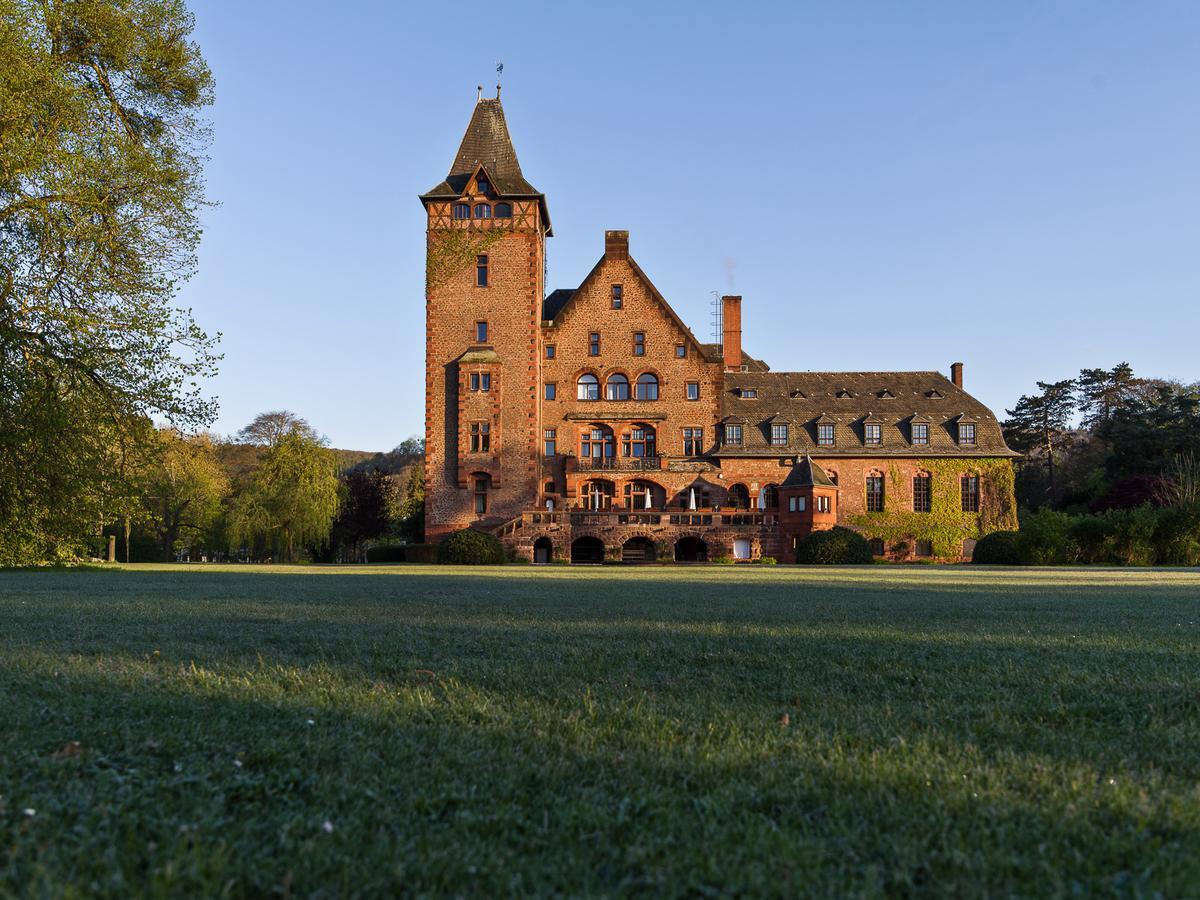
(565, 298)
(486, 143)
(806, 473)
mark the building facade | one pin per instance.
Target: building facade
(590, 424)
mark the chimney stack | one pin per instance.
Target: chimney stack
(731, 331)
(956, 374)
(616, 245)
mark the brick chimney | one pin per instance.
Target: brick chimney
(616, 245)
(731, 334)
(956, 374)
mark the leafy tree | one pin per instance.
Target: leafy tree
(1102, 391)
(411, 513)
(363, 513)
(100, 188)
(291, 498)
(1144, 437)
(1039, 423)
(183, 490)
(269, 428)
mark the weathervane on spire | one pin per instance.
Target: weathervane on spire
(499, 72)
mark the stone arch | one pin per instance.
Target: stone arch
(639, 549)
(543, 550)
(738, 496)
(691, 548)
(587, 549)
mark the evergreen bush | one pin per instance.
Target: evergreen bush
(836, 547)
(471, 548)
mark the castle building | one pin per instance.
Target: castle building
(590, 423)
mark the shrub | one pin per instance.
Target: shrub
(722, 560)
(836, 547)
(386, 553)
(1000, 548)
(1044, 540)
(767, 561)
(471, 548)
(1177, 537)
(421, 553)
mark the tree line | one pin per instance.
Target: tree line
(1110, 470)
(273, 492)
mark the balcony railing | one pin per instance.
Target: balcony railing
(619, 463)
(579, 517)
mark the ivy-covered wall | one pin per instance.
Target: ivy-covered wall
(453, 250)
(945, 526)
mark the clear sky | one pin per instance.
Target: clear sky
(888, 185)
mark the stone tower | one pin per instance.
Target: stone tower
(485, 265)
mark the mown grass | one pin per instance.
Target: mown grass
(326, 732)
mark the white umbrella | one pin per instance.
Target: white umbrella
(649, 504)
(762, 498)
(692, 499)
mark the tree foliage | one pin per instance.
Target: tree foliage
(183, 490)
(100, 190)
(292, 498)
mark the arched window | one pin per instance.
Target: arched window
(647, 386)
(637, 492)
(588, 387)
(738, 497)
(483, 210)
(617, 387)
(503, 210)
(596, 442)
(596, 494)
(638, 441)
(462, 211)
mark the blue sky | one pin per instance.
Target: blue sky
(888, 185)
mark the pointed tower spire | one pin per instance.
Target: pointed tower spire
(487, 143)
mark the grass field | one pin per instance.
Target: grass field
(876, 731)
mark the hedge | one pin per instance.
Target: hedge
(471, 548)
(836, 547)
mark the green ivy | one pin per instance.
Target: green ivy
(454, 250)
(945, 526)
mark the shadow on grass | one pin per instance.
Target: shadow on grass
(191, 787)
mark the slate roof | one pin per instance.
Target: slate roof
(846, 400)
(554, 303)
(806, 473)
(487, 143)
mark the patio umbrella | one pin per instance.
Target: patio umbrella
(762, 498)
(649, 505)
(692, 499)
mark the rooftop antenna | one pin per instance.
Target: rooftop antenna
(718, 319)
(499, 72)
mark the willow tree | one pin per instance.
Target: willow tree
(292, 497)
(101, 151)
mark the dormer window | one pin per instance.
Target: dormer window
(825, 435)
(482, 187)
(733, 435)
(779, 434)
(844, 394)
(462, 211)
(872, 433)
(966, 434)
(748, 393)
(920, 433)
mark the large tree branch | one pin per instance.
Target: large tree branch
(118, 108)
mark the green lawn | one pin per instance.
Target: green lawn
(334, 731)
